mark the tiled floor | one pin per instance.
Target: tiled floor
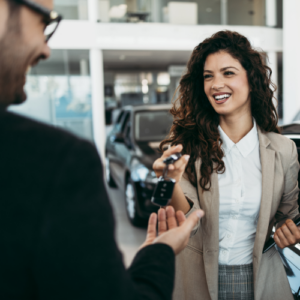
(129, 238)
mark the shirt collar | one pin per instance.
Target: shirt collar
(245, 145)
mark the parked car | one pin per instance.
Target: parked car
(292, 131)
(131, 149)
(291, 256)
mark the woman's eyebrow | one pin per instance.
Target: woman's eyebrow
(223, 69)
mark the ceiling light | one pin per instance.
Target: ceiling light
(163, 78)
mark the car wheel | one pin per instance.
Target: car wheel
(131, 205)
(110, 181)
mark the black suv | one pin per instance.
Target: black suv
(131, 149)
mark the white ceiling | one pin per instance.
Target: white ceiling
(124, 59)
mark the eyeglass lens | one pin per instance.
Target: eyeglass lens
(50, 28)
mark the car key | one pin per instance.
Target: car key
(164, 189)
(270, 243)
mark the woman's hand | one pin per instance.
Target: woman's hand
(287, 235)
(173, 228)
(175, 170)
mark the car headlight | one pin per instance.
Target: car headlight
(141, 172)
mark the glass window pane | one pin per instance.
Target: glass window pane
(59, 92)
(152, 125)
(72, 9)
(245, 12)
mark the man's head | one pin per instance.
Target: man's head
(22, 44)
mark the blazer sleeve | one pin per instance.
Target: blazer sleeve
(191, 195)
(75, 254)
(288, 207)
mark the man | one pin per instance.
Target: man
(56, 223)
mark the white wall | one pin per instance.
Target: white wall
(153, 36)
(291, 59)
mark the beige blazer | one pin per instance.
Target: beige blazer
(197, 266)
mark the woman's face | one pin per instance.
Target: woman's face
(226, 85)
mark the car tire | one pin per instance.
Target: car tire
(131, 205)
(110, 181)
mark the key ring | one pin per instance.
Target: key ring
(164, 189)
(165, 171)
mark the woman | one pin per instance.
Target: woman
(237, 168)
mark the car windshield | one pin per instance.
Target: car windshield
(152, 125)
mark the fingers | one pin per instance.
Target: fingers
(180, 217)
(172, 150)
(180, 164)
(192, 220)
(288, 234)
(294, 230)
(171, 219)
(162, 221)
(151, 230)
(158, 165)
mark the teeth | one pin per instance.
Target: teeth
(222, 96)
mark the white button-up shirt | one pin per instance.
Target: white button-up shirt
(240, 194)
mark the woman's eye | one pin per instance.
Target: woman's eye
(207, 76)
(228, 73)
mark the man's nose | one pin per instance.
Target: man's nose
(46, 51)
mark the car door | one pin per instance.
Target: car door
(118, 166)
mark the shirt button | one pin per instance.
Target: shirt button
(223, 251)
(234, 217)
(237, 200)
(228, 236)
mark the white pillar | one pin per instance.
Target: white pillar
(93, 9)
(156, 11)
(223, 9)
(273, 64)
(84, 68)
(291, 60)
(97, 82)
(271, 13)
(98, 106)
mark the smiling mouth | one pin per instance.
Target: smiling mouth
(221, 98)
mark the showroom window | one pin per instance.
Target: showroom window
(59, 92)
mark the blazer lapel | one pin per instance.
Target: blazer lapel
(209, 202)
(267, 158)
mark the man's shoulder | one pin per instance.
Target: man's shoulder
(17, 129)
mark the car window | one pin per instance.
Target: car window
(125, 121)
(152, 125)
(119, 121)
(120, 117)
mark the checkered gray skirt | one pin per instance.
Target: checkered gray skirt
(236, 282)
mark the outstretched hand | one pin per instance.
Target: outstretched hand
(173, 228)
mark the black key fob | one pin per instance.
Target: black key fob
(164, 189)
(163, 192)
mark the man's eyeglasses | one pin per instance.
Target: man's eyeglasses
(51, 18)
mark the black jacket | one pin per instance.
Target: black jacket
(56, 223)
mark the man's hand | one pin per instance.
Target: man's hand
(173, 229)
(288, 234)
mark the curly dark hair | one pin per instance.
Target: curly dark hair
(195, 124)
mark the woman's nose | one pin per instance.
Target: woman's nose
(217, 84)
